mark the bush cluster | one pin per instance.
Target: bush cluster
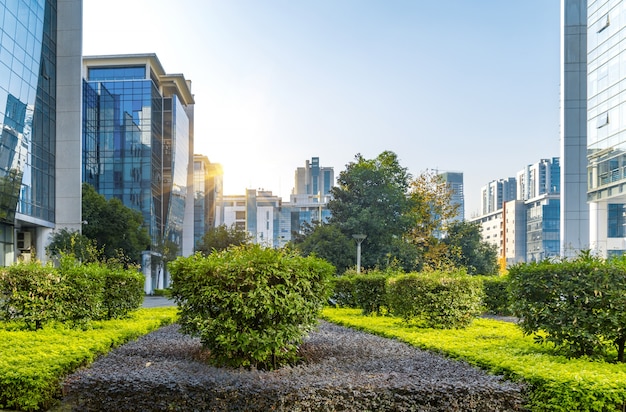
(430, 299)
(578, 305)
(437, 299)
(74, 293)
(249, 305)
(496, 298)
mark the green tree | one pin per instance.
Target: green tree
(222, 237)
(114, 227)
(371, 198)
(69, 242)
(467, 249)
(326, 241)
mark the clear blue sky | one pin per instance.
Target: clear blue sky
(455, 85)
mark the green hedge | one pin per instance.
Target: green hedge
(249, 305)
(578, 305)
(75, 293)
(496, 298)
(437, 299)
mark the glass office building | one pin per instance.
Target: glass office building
(606, 125)
(138, 142)
(39, 119)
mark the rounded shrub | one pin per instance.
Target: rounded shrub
(249, 305)
(436, 299)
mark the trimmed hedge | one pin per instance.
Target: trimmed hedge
(435, 300)
(496, 299)
(579, 305)
(249, 305)
(75, 293)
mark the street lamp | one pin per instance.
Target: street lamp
(359, 239)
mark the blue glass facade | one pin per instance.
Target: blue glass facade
(27, 115)
(543, 221)
(123, 140)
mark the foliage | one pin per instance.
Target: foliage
(113, 226)
(250, 306)
(343, 292)
(431, 210)
(370, 291)
(555, 384)
(30, 292)
(496, 297)
(76, 292)
(82, 290)
(221, 238)
(33, 364)
(370, 198)
(123, 291)
(68, 242)
(436, 299)
(468, 250)
(326, 241)
(579, 304)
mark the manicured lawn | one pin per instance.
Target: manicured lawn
(555, 382)
(33, 364)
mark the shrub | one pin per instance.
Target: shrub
(496, 295)
(343, 292)
(81, 291)
(370, 291)
(250, 306)
(435, 299)
(579, 305)
(29, 292)
(123, 291)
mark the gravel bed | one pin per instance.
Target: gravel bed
(346, 370)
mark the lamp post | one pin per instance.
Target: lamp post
(359, 239)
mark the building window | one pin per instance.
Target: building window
(615, 220)
(603, 120)
(240, 215)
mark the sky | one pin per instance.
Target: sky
(467, 86)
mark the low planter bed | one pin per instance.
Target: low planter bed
(344, 370)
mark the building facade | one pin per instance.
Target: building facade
(496, 193)
(257, 212)
(574, 217)
(208, 190)
(606, 126)
(455, 183)
(526, 228)
(138, 145)
(40, 116)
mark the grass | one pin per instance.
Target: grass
(555, 382)
(34, 363)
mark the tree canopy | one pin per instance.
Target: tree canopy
(113, 226)
(221, 238)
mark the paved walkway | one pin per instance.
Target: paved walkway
(157, 302)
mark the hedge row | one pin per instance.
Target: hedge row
(437, 299)
(74, 293)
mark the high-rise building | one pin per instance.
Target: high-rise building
(207, 186)
(606, 126)
(574, 209)
(40, 119)
(455, 182)
(257, 212)
(138, 143)
(496, 193)
(307, 203)
(538, 179)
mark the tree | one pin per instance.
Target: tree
(73, 243)
(326, 241)
(467, 249)
(432, 210)
(222, 237)
(371, 199)
(114, 227)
